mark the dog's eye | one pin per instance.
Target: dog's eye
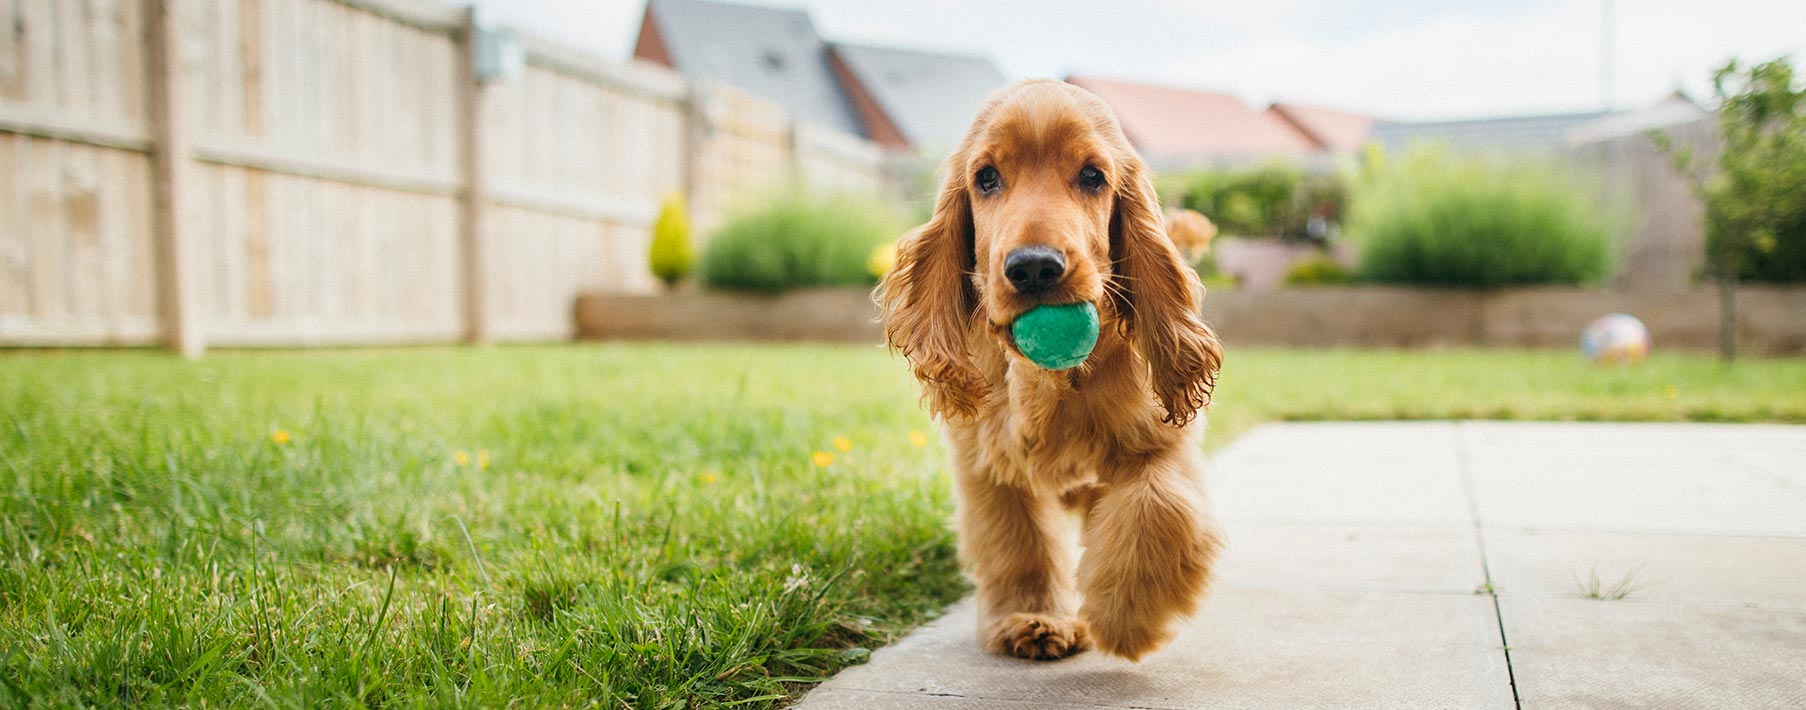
(1091, 178)
(988, 180)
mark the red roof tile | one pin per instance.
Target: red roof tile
(1174, 122)
(1337, 131)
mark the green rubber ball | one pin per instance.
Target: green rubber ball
(1057, 337)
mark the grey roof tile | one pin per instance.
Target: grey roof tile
(774, 53)
(931, 97)
(1514, 134)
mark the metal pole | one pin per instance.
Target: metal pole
(1607, 52)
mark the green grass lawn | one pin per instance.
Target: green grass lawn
(634, 525)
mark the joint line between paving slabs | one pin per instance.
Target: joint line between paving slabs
(1473, 513)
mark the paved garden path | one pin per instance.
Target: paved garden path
(1454, 565)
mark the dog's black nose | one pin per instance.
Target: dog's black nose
(1034, 269)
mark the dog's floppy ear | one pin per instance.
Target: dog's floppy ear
(1159, 301)
(928, 303)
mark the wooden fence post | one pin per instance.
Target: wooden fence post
(695, 132)
(793, 134)
(171, 172)
(695, 143)
(475, 197)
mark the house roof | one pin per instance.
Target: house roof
(770, 52)
(1676, 110)
(1336, 131)
(1535, 134)
(1173, 123)
(931, 98)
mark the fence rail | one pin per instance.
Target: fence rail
(299, 172)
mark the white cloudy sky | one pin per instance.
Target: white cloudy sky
(1394, 58)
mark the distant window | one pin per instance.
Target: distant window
(773, 61)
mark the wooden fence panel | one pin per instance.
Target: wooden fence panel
(834, 162)
(746, 153)
(75, 247)
(72, 66)
(328, 138)
(578, 157)
(324, 173)
(322, 86)
(548, 259)
(299, 260)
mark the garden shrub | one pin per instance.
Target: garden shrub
(795, 240)
(672, 255)
(1269, 201)
(1436, 219)
(1318, 271)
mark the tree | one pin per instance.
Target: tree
(1756, 204)
(1755, 200)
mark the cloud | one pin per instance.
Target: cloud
(1461, 63)
(1398, 58)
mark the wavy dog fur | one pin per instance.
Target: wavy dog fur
(1113, 440)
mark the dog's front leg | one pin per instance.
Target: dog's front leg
(1021, 557)
(1150, 542)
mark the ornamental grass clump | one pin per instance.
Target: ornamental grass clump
(798, 240)
(1437, 219)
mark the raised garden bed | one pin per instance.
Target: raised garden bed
(1770, 319)
(829, 314)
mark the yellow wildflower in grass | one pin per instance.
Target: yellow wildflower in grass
(708, 477)
(821, 459)
(279, 436)
(461, 457)
(483, 459)
(1671, 392)
(843, 443)
(918, 439)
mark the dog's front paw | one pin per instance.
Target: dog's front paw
(1037, 637)
(1125, 635)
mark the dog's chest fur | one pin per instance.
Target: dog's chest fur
(1055, 431)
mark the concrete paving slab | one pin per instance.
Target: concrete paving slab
(1341, 557)
(1788, 466)
(1354, 550)
(1768, 572)
(826, 697)
(1639, 435)
(1432, 444)
(1356, 474)
(1653, 478)
(1247, 648)
(1579, 653)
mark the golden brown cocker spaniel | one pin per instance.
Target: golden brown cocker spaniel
(1046, 177)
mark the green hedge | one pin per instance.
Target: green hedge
(1275, 200)
(797, 240)
(1320, 270)
(1436, 219)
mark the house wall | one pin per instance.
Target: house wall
(327, 172)
(1657, 219)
